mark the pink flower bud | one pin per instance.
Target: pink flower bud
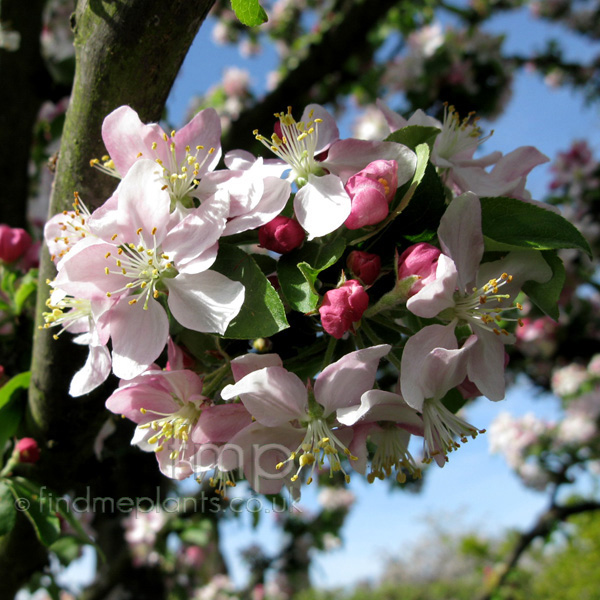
(281, 235)
(31, 258)
(386, 173)
(364, 266)
(28, 449)
(371, 191)
(421, 261)
(343, 307)
(13, 243)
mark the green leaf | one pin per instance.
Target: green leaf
(298, 271)
(453, 400)
(426, 207)
(8, 512)
(249, 12)
(27, 287)
(413, 135)
(545, 295)
(12, 387)
(66, 549)
(262, 314)
(509, 224)
(198, 534)
(37, 509)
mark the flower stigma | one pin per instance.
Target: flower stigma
(392, 453)
(319, 442)
(296, 144)
(145, 266)
(441, 428)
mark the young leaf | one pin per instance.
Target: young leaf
(18, 382)
(249, 12)
(8, 512)
(509, 224)
(298, 270)
(414, 135)
(37, 509)
(545, 295)
(262, 314)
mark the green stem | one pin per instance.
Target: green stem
(329, 352)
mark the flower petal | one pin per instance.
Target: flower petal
(348, 157)
(272, 395)
(138, 336)
(461, 236)
(342, 383)
(322, 205)
(247, 363)
(206, 301)
(125, 136)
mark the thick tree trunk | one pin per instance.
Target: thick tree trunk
(128, 52)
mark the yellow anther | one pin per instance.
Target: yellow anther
(132, 302)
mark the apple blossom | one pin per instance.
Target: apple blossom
(292, 415)
(321, 164)
(182, 158)
(464, 292)
(140, 254)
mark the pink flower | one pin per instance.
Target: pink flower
(289, 425)
(281, 235)
(139, 254)
(14, 243)
(420, 262)
(183, 157)
(463, 292)
(28, 449)
(321, 164)
(364, 266)
(343, 307)
(174, 420)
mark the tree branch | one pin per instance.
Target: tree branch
(24, 83)
(543, 526)
(328, 59)
(127, 52)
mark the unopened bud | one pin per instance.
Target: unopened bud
(419, 262)
(281, 235)
(28, 449)
(343, 307)
(364, 266)
(14, 243)
(371, 191)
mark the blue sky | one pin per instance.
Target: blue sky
(473, 484)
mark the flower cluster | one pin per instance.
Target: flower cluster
(382, 256)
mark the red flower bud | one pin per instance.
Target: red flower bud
(343, 307)
(364, 266)
(281, 235)
(419, 260)
(13, 243)
(28, 449)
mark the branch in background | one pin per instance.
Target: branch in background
(327, 59)
(543, 527)
(25, 82)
